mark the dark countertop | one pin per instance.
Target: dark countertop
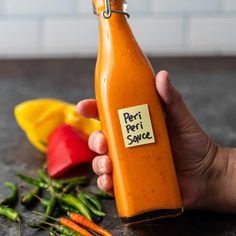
(207, 84)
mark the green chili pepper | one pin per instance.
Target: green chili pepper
(65, 230)
(54, 183)
(103, 195)
(45, 203)
(68, 188)
(28, 198)
(54, 233)
(67, 208)
(51, 233)
(10, 214)
(48, 213)
(93, 199)
(76, 203)
(84, 200)
(75, 180)
(32, 181)
(12, 197)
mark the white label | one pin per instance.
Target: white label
(136, 125)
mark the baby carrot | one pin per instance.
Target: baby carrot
(89, 224)
(74, 226)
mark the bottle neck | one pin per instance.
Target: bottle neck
(114, 28)
(116, 37)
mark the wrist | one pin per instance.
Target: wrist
(194, 183)
(218, 193)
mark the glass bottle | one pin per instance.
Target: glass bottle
(133, 122)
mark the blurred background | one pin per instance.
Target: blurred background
(68, 28)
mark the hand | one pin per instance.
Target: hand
(194, 152)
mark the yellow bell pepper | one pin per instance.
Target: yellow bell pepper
(39, 117)
(74, 119)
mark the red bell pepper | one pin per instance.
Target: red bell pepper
(67, 147)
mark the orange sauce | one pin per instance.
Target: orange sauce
(144, 175)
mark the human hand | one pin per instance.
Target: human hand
(194, 152)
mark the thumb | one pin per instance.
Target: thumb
(179, 118)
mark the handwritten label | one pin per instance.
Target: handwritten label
(136, 125)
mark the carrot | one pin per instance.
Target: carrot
(75, 227)
(89, 224)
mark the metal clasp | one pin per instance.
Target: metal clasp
(108, 11)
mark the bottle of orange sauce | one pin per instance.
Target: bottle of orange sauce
(133, 122)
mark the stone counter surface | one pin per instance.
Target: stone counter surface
(208, 86)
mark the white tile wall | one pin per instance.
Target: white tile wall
(135, 6)
(48, 28)
(157, 32)
(212, 31)
(84, 6)
(17, 34)
(45, 7)
(71, 35)
(185, 5)
(230, 5)
(2, 7)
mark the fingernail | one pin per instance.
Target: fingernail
(97, 144)
(168, 83)
(103, 178)
(102, 164)
(78, 106)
